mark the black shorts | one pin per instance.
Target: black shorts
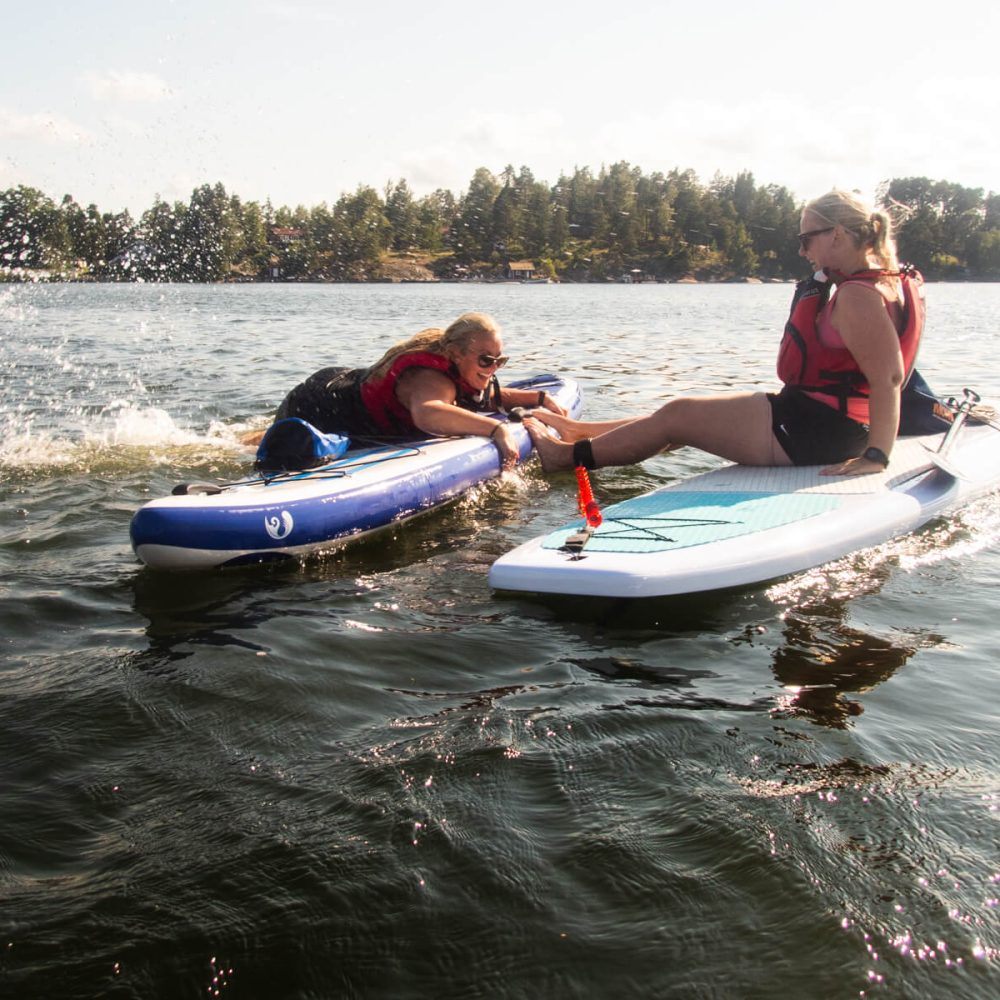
(812, 433)
(330, 400)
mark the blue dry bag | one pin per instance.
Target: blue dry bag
(920, 411)
(293, 444)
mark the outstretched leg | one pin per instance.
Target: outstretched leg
(736, 426)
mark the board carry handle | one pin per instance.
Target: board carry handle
(196, 489)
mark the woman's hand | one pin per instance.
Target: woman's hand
(550, 404)
(859, 466)
(531, 399)
(504, 440)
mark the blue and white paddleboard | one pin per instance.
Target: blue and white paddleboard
(290, 515)
(738, 525)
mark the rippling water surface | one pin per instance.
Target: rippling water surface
(369, 776)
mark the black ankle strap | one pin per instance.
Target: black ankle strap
(583, 454)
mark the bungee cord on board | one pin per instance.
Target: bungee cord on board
(335, 470)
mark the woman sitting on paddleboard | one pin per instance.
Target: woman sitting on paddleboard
(843, 361)
(438, 382)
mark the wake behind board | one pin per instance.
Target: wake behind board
(263, 519)
(739, 525)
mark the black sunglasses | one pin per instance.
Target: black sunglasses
(489, 361)
(804, 238)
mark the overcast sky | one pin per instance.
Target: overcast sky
(300, 101)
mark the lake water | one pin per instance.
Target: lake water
(370, 776)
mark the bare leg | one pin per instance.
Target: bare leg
(251, 438)
(736, 426)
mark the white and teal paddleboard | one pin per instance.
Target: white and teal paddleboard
(737, 525)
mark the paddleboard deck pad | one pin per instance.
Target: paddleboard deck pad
(739, 525)
(290, 515)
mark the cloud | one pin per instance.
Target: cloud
(131, 87)
(301, 12)
(492, 140)
(41, 126)
(804, 147)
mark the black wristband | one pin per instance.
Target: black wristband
(583, 454)
(495, 429)
(541, 398)
(876, 455)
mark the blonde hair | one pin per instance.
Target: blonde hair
(871, 229)
(448, 343)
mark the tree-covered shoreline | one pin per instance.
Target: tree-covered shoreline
(617, 224)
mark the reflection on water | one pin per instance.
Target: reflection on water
(823, 658)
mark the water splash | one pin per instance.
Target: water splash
(123, 436)
(972, 529)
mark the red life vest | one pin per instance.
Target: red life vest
(392, 417)
(807, 364)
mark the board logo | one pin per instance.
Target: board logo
(279, 526)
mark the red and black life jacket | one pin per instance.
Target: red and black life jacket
(392, 417)
(805, 363)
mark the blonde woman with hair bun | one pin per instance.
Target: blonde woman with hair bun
(843, 360)
(437, 382)
(871, 228)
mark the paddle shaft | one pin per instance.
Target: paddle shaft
(962, 411)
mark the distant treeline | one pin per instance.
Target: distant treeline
(586, 227)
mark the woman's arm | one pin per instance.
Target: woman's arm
(430, 398)
(537, 398)
(864, 325)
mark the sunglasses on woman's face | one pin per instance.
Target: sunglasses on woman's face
(805, 238)
(489, 361)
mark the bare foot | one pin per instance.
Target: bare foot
(554, 454)
(566, 427)
(252, 438)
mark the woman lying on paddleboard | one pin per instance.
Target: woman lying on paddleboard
(438, 382)
(843, 361)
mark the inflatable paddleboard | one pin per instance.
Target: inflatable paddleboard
(289, 515)
(738, 525)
